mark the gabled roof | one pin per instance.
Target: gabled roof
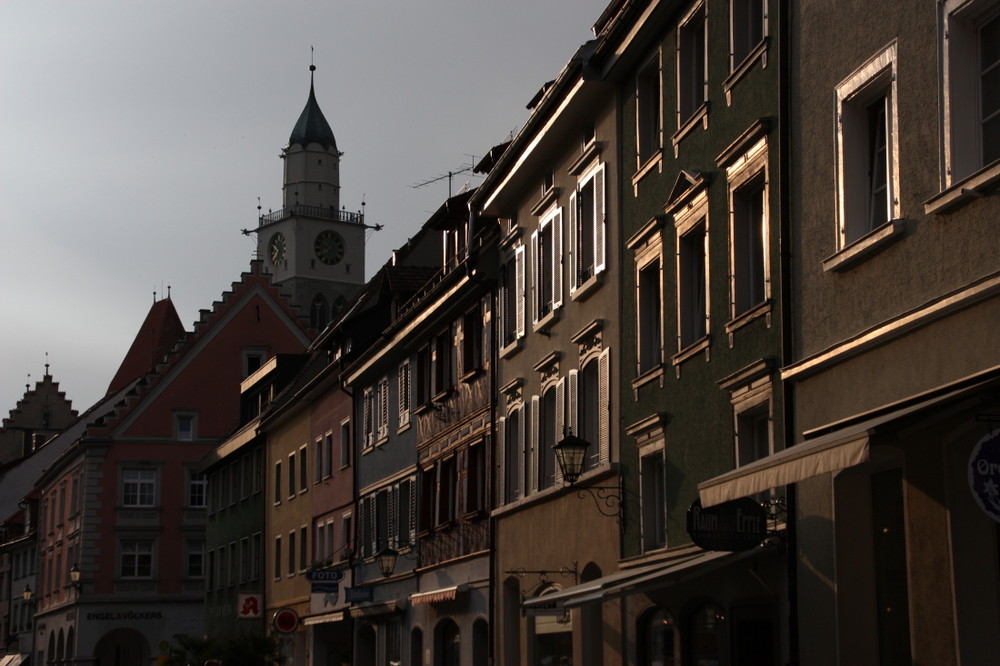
(160, 331)
(312, 126)
(253, 282)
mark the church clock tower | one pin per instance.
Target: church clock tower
(314, 248)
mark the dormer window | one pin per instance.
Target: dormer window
(184, 426)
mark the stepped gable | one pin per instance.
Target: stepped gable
(17, 413)
(250, 280)
(160, 331)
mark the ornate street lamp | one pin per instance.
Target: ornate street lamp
(26, 594)
(571, 454)
(387, 561)
(74, 577)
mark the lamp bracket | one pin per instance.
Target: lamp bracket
(543, 574)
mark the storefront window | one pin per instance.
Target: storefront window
(656, 636)
(553, 639)
(707, 636)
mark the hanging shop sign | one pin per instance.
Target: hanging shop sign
(249, 606)
(358, 595)
(984, 475)
(325, 575)
(739, 524)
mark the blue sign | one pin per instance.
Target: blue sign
(984, 475)
(323, 588)
(325, 575)
(354, 595)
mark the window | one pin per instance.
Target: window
(277, 482)
(291, 475)
(136, 559)
(403, 393)
(546, 244)
(649, 313)
(197, 485)
(424, 375)
(588, 407)
(138, 487)
(369, 407)
(648, 123)
(443, 362)
(303, 469)
(511, 433)
(589, 410)
(252, 360)
(692, 66)
(653, 500)
(291, 553)
(512, 286)
(472, 341)
(746, 29)
(475, 492)
(587, 228)
(753, 434)
(867, 148)
(345, 443)
(656, 638)
(346, 536)
(319, 460)
(971, 53)
(184, 427)
(749, 274)
(195, 565)
(327, 453)
(277, 557)
(547, 438)
(751, 396)
(692, 273)
(303, 549)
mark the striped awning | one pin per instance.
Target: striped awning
(436, 596)
(324, 618)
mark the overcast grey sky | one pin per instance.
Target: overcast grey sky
(137, 136)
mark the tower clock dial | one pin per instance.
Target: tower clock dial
(276, 249)
(329, 247)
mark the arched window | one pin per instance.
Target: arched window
(656, 638)
(708, 633)
(447, 644)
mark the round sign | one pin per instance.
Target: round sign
(984, 475)
(285, 620)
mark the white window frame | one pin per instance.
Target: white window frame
(369, 409)
(649, 120)
(962, 90)
(514, 270)
(870, 82)
(136, 548)
(745, 172)
(551, 221)
(146, 481)
(694, 215)
(197, 487)
(596, 177)
(647, 256)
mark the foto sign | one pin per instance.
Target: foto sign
(325, 575)
(739, 524)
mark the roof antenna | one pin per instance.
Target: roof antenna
(27, 385)
(154, 296)
(168, 291)
(46, 363)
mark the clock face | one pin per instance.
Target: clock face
(329, 247)
(276, 249)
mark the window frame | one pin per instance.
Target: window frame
(547, 268)
(690, 107)
(742, 175)
(151, 486)
(649, 113)
(857, 234)
(594, 226)
(148, 550)
(686, 223)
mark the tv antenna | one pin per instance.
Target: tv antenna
(450, 175)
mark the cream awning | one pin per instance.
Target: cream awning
(324, 618)
(829, 449)
(436, 596)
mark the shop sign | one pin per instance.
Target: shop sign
(325, 575)
(249, 606)
(285, 620)
(984, 475)
(739, 524)
(355, 595)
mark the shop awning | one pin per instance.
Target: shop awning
(678, 572)
(621, 583)
(376, 609)
(437, 596)
(830, 449)
(324, 618)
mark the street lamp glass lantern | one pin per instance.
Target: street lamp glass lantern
(387, 561)
(26, 594)
(571, 453)
(74, 575)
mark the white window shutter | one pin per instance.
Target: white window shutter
(533, 444)
(599, 222)
(535, 277)
(573, 232)
(571, 402)
(557, 261)
(519, 286)
(501, 460)
(604, 392)
(560, 420)
(522, 442)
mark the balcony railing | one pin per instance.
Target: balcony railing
(464, 538)
(321, 212)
